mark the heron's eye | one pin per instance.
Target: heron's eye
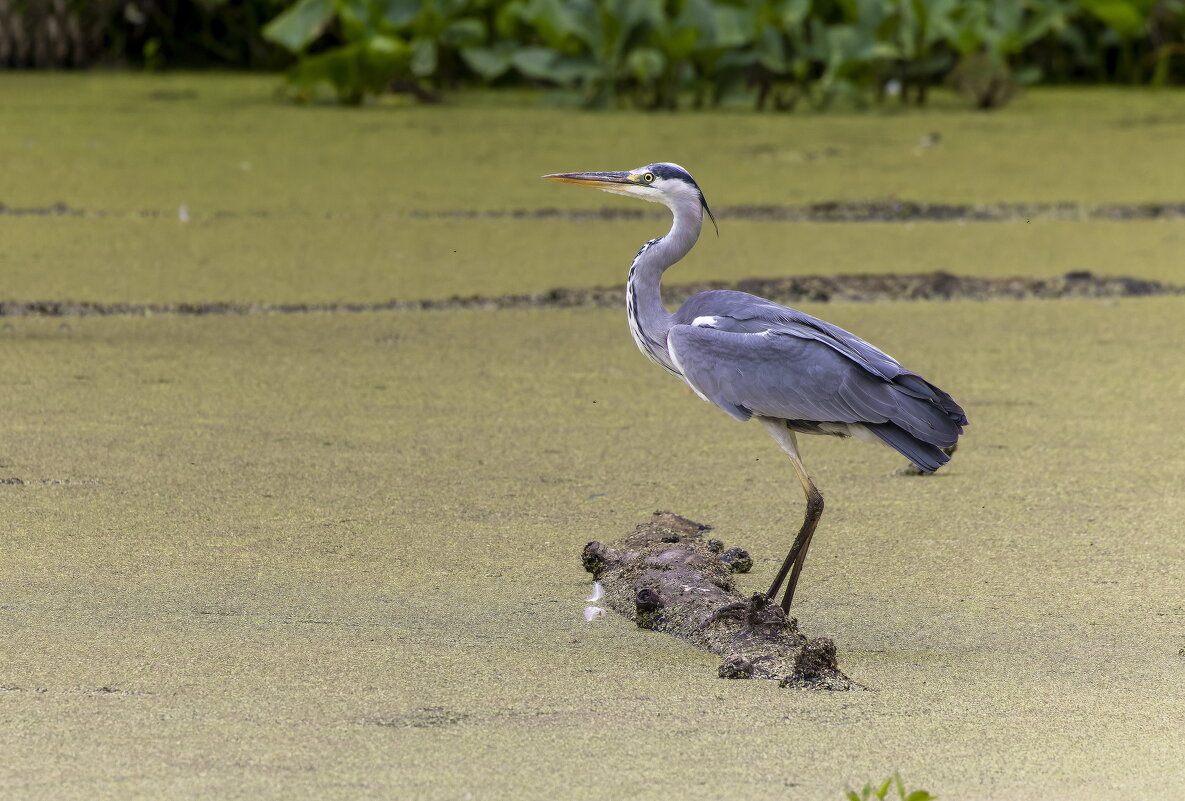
(648, 177)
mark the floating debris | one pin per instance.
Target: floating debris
(855, 288)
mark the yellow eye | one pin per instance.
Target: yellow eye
(648, 177)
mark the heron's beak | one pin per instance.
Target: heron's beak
(609, 181)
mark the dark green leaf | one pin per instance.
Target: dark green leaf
(464, 32)
(300, 24)
(488, 62)
(681, 44)
(794, 12)
(1124, 17)
(358, 17)
(732, 28)
(536, 62)
(771, 52)
(401, 12)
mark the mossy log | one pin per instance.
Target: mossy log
(668, 576)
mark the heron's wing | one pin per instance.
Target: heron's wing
(801, 371)
(763, 373)
(741, 312)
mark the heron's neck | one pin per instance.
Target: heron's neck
(648, 316)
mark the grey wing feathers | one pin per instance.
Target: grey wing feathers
(764, 374)
(777, 362)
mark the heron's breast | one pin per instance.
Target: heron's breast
(654, 350)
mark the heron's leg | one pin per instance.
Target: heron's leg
(814, 510)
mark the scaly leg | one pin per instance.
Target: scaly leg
(814, 510)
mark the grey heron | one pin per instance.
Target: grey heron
(754, 358)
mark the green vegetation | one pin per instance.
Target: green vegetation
(323, 556)
(336, 556)
(869, 792)
(650, 54)
(295, 205)
(658, 53)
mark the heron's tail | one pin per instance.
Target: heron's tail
(932, 407)
(927, 420)
(923, 454)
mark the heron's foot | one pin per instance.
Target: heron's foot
(758, 602)
(763, 617)
(766, 617)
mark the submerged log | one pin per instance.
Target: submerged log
(668, 576)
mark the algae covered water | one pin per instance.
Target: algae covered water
(337, 555)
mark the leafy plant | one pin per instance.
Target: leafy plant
(1166, 36)
(848, 52)
(988, 35)
(869, 791)
(752, 47)
(1125, 20)
(921, 32)
(365, 62)
(662, 53)
(368, 46)
(600, 47)
(437, 31)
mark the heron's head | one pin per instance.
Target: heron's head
(664, 183)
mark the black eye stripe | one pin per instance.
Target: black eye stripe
(669, 172)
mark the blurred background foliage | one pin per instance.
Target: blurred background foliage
(654, 54)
